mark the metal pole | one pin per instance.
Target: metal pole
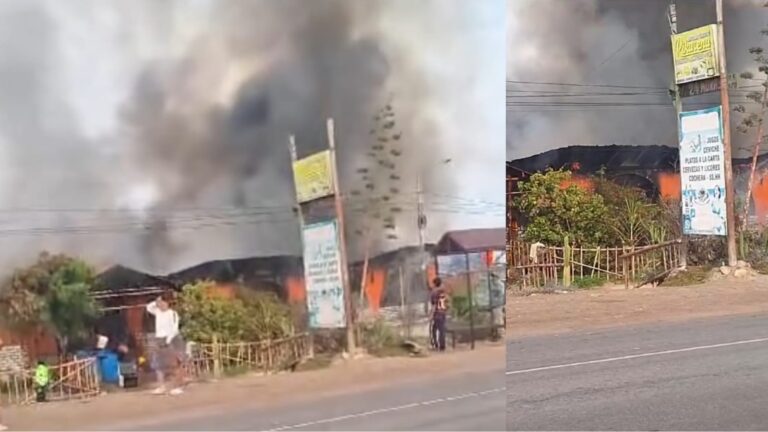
(342, 241)
(726, 113)
(471, 305)
(300, 214)
(421, 222)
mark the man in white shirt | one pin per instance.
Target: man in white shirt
(170, 351)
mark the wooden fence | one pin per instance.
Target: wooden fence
(77, 379)
(652, 263)
(215, 359)
(551, 266)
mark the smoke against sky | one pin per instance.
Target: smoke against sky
(176, 115)
(616, 42)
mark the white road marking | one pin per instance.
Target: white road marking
(390, 409)
(634, 356)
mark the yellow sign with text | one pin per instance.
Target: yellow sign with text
(695, 54)
(313, 177)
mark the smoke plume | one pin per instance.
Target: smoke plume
(179, 113)
(617, 42)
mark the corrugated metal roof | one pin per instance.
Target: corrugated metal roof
(472, 240)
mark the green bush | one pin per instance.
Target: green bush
(249, 316)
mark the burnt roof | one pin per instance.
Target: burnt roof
(239, 270)
(118, 278)
(613, 158)
(472, 240)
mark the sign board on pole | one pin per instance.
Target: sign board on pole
(702, 172)
(322, 274)
(695, 54)
(312, 176)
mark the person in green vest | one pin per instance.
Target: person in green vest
(42, 380)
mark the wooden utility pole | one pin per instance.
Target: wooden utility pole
(678, 101)
(351, 350)
(730, 205)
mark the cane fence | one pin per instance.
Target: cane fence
(77, 379)
(217, 358)
(533, 267)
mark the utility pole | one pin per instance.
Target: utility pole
(677, 100)
(730, 213)
(421, 221)
(348, 303)
(300, 214)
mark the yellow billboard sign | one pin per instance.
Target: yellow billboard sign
(695, 54)
(313, 177)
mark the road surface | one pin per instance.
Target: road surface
(701, 375)
(466, 402)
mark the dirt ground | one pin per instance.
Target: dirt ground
(135, 409)
(613, 306)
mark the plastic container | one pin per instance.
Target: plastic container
(109, 367)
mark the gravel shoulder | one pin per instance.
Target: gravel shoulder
(614, 306)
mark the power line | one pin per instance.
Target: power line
(584, 85)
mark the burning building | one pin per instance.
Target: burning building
(654, 169)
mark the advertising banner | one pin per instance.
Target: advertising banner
(313, 177)
(322, 274)
(695, 54)
(702, 172)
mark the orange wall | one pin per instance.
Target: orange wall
(669, 185)
(297, 290)
(579, 181)
(760, 198)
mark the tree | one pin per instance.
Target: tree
(378, 206)
(554, 208)
(53, 293)
(754, 119)
(70, 310)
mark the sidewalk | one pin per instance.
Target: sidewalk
(132, 409)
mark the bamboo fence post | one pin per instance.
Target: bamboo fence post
(216, 357)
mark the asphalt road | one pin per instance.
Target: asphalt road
(467, 402)
(700, 375)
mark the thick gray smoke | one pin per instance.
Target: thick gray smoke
(617, 42)
(180, 113)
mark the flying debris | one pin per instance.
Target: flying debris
(362, 170)
(397, 136)
(396, 152)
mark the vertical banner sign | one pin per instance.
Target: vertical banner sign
(702, 172)
(322, 273)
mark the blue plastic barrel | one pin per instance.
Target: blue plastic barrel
(109, 367)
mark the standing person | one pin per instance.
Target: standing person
(439, 312)
(168, 356)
